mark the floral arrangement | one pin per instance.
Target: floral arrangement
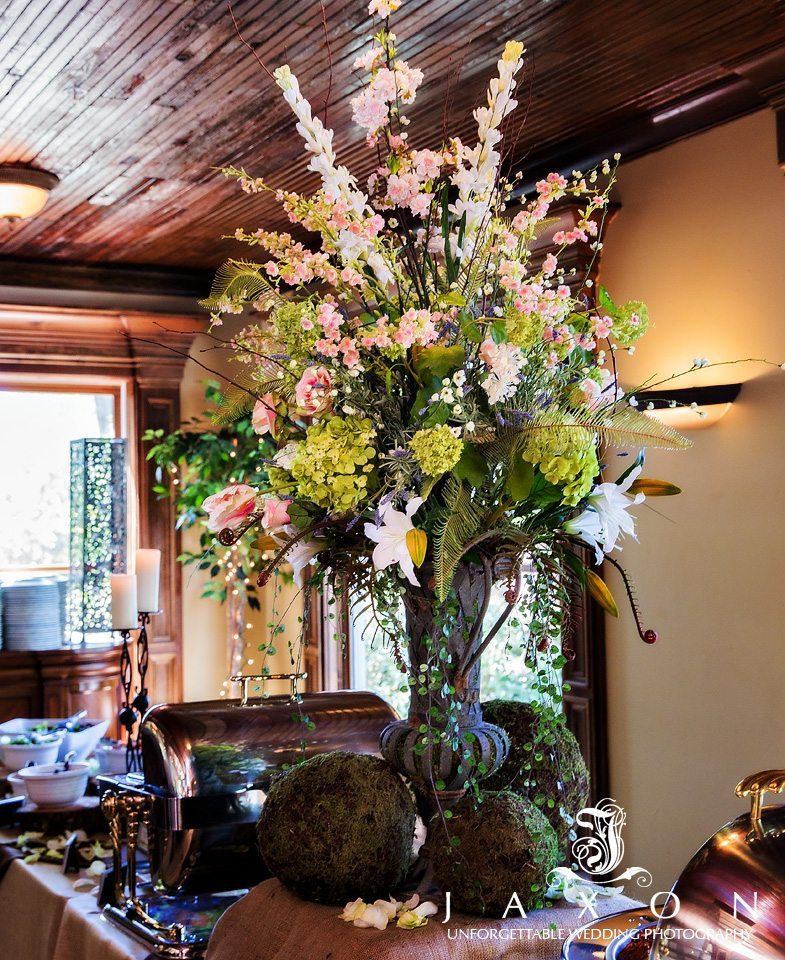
(437, 388)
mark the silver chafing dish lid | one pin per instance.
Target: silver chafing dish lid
(223, 746)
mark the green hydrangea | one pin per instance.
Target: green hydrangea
(334, 463)
(288, 319)
(630, 322)
(436, 449)
(524, 329)
(567, 459)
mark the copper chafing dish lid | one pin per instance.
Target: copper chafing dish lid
(729, 901)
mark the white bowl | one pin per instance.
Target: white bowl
(82, 742)
(17, 785)
(51, 785)
(17, 755)
(111, 759)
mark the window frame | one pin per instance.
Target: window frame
(117, 386)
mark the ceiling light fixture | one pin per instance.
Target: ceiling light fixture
(24, 191)
(690, 408)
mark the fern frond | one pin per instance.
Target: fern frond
(454, 529)
(236, 403)
(240, 281)
(240, 397)
(618, 426)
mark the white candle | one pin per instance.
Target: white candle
(148, 575)
(124, 608)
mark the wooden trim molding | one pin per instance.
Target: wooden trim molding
(149, 352)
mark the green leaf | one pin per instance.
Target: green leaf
(454, 299)
(605, 301)
(520, 479)
(472, 466)
(439, 361)
(574, 562)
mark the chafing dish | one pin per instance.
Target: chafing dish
(207, 768)
(729, 902)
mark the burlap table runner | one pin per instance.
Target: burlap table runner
(270, 923)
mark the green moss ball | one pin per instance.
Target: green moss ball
(553, 770)
(337, 827)
(505, 846)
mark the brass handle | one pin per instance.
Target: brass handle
(245, 678)
(756, 786)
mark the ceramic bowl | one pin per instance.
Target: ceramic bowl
(111, 759)
(51, 785)
(17, 755)
(82, 742)
(17, 785)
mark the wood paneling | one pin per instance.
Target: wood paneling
(58, 683)
(148, 352)
(132, 103)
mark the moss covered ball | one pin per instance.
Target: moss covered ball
(337, 827)
(504, 846)
(550, 770)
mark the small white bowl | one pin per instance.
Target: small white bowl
(82, 741)
(51, 785)
(111, 759)
(17, 785)
(18, 755)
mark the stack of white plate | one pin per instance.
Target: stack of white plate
(31, 615)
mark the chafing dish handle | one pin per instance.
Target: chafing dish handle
(758, 784)
(244, 679)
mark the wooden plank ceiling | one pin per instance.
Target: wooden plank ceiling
(133, 103)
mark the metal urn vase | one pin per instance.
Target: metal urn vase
(444, 742)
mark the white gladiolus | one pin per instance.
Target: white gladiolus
(476, 182)
(319, 141)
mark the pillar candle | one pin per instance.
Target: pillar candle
(148, 573)
(124, 607)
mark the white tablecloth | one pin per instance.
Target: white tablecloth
(43, 918)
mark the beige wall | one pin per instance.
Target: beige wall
(204, 621)
(701, 238)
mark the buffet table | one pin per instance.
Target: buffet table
(270, 923)
(44, 918)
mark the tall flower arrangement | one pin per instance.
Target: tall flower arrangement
(438, 393)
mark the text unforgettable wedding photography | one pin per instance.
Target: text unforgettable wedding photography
(391, 402)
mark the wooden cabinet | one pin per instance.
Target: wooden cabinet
(58, 683)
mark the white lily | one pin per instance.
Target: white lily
(568, 886)
(390, 538)
(418, 916)
(301, 554)
(605, 520)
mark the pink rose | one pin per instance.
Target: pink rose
(313, 391)
(488, 351)
(263, 418)
(229, 507)
(276, 513)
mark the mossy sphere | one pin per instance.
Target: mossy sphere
(505, 847)
(337, 827)
(552, 770)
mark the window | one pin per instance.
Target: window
(504, 674)
(37, 424)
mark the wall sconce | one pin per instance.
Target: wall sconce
(675, 407)
(24, 192)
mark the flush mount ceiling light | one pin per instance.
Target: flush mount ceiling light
(23, 191)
